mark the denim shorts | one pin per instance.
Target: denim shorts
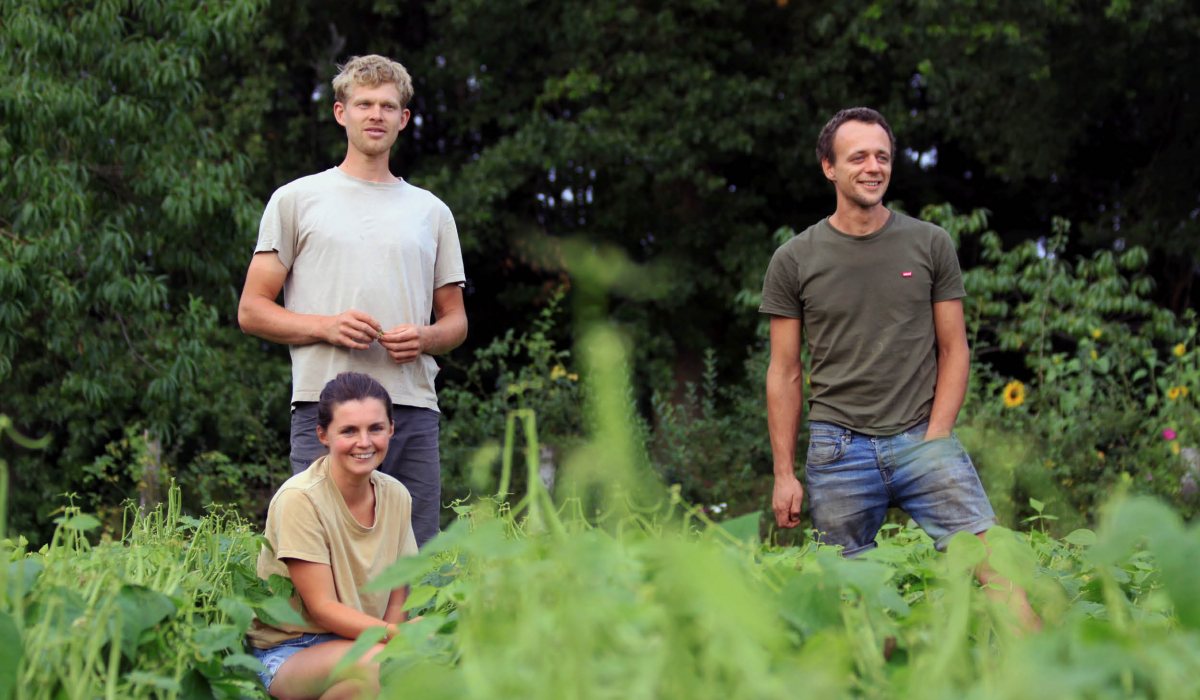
(854, 478)
(274, 657)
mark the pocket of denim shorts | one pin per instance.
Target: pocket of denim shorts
(916, 433)
(824, 450)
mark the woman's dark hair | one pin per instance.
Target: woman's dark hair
(865, 115)
(349, 386)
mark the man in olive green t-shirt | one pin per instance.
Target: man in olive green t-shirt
(879, 295)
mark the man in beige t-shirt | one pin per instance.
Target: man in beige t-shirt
(363, 259)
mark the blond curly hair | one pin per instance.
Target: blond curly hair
(372, 71)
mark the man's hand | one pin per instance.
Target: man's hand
(788, 496)
(403, 343)
(350, 329)
(936, 433)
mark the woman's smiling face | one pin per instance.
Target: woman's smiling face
(357, 436)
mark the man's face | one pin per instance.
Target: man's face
(862, 163)
(373, 118)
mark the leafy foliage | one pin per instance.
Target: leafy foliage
(160, 612)
(124, 219)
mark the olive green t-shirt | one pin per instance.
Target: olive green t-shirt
(866, 307)
(308, 520)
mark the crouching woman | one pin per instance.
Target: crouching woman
(333, 528)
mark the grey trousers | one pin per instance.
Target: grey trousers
(412, 458)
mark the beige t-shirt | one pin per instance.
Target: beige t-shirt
(309, 520)
(381, 248)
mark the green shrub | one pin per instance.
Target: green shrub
(1101, 372)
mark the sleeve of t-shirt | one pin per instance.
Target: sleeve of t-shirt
(947, 277)
(278, 231)
(299, 533)
(448, 267)
(781, 287)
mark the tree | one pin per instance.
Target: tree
(130, 130)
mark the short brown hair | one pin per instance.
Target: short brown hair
(865, 115)
(372, 71)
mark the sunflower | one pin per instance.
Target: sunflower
(1014, 394)
(1179, 350)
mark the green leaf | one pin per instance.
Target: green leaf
(419, 596)
(194, 686)
(141, 609)
(965, 551)
(276, 610)
(218, 638)
(161, 682)
(1036, 504)
(10, 655)
(281, 586)
(367, 639)
(241, 614)
(406, 570)
(1177, 553)
(22, 575)
(82, 522)
(744, 528)
(245, 662)
(1082, 538)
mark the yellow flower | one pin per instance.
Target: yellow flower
(1094, 354)
(573, 377)
(1175, 448)
(1176, 392)
(1097, 333)
(557, 372)
(1014, 394)
(1100, 455)
(1056, 359)
(1179, 350)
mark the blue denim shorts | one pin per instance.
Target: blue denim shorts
(274, 657)
(854, 478)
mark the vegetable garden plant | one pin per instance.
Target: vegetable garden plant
(618, 588)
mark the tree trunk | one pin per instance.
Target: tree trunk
(151, 466)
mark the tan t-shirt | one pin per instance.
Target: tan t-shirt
(381, 248)
(309, 520)
(866, 306)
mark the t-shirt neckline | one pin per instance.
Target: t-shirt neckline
(367, 183)
(344, 509)
(892, 216)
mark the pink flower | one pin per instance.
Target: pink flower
(1169, 434)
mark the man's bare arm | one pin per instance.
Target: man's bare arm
(785, 395)
(260, 315)
(408, 342)
(954, 367)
